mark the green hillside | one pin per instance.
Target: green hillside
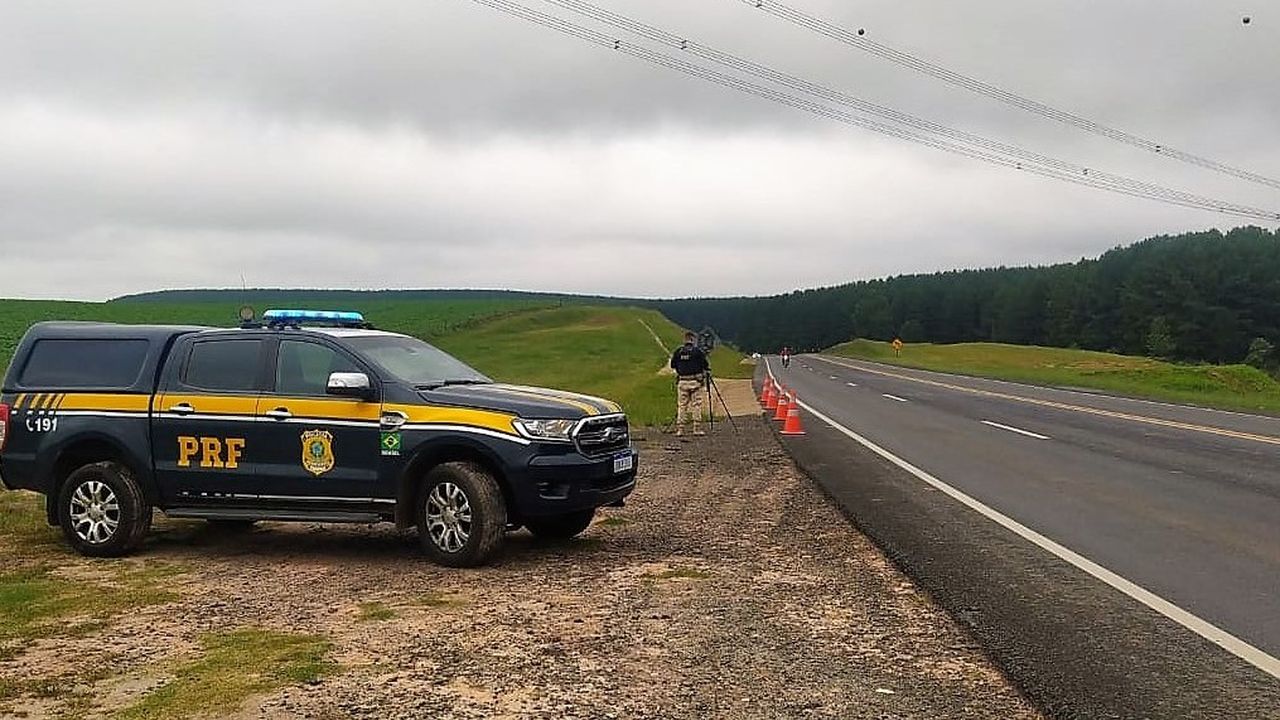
(1231, 387)
(605, 351)
(425, 319)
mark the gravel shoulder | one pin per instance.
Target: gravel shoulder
(729, 587)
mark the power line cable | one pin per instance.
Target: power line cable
(765, 72)
(861, 42)
(736, 83)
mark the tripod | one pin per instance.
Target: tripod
(711, 406)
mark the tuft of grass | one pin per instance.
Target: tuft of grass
(375, 612)
(23, 530)
(683, 573)
(70, 689)
(1231, 387)
(36, 603)
(234, 666)
(614, 521)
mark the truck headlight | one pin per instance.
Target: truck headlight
(545, 430)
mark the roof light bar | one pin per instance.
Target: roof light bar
(300, 317)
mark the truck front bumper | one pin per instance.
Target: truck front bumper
(565, 483)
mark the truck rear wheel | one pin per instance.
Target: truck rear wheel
(102, 510)
(461, 515)
(561, 527)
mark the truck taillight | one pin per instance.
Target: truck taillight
(4, 423)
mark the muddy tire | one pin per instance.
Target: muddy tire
(462, 515)
(102, 510)
(561, 527)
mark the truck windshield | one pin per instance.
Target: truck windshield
(414, 362)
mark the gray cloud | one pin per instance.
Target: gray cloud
(439, 143)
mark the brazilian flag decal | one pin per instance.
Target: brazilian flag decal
(390, 444)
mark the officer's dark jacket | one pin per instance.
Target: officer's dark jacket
(689, 360)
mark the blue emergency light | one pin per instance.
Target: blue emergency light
(313, 317)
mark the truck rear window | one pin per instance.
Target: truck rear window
(84, 363)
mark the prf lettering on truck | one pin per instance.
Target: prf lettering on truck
(213, 452)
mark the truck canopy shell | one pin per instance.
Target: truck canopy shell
(157, 337)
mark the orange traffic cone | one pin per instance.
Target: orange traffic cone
(766, 389)
(792, 426)
(781, 413)
(770, 399)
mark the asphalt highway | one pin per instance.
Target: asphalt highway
(1120, 558)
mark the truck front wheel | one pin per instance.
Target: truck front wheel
(561, 527)
(461, 515)
(102, 510)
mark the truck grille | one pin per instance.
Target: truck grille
(603, 435)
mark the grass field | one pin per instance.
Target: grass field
(1230, 387)
(606, 351)
(596, 350)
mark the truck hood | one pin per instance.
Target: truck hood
(521, 400)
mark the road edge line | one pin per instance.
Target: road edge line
(1214, 634)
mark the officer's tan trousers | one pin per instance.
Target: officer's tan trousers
(689, 402)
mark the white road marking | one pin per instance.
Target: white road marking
(852, 384)
(1010, 428)
(1101, 394)
(1236, 434)
(894, 397)
(833, 377)
(1204, 629)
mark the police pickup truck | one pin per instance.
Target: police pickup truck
(303, 416)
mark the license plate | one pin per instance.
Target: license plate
(623, 463)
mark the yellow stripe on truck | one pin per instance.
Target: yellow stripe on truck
(324, 408)
(601, 405)
(118, 402)
(424, 414)
(520, 391)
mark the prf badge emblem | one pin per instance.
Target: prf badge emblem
(317, 451)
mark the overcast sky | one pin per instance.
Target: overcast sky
(439, 143)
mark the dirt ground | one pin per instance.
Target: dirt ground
(728, 587)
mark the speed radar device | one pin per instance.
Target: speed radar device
(707, 343)
(707, 340)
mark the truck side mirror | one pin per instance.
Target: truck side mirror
(350, 384)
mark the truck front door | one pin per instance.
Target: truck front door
(320, 450)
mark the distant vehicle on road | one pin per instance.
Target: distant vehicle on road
(306, 416)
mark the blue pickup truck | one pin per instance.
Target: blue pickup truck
(302, 416)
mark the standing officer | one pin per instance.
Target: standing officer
(691, 367)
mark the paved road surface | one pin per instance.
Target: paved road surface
(1182, 504)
